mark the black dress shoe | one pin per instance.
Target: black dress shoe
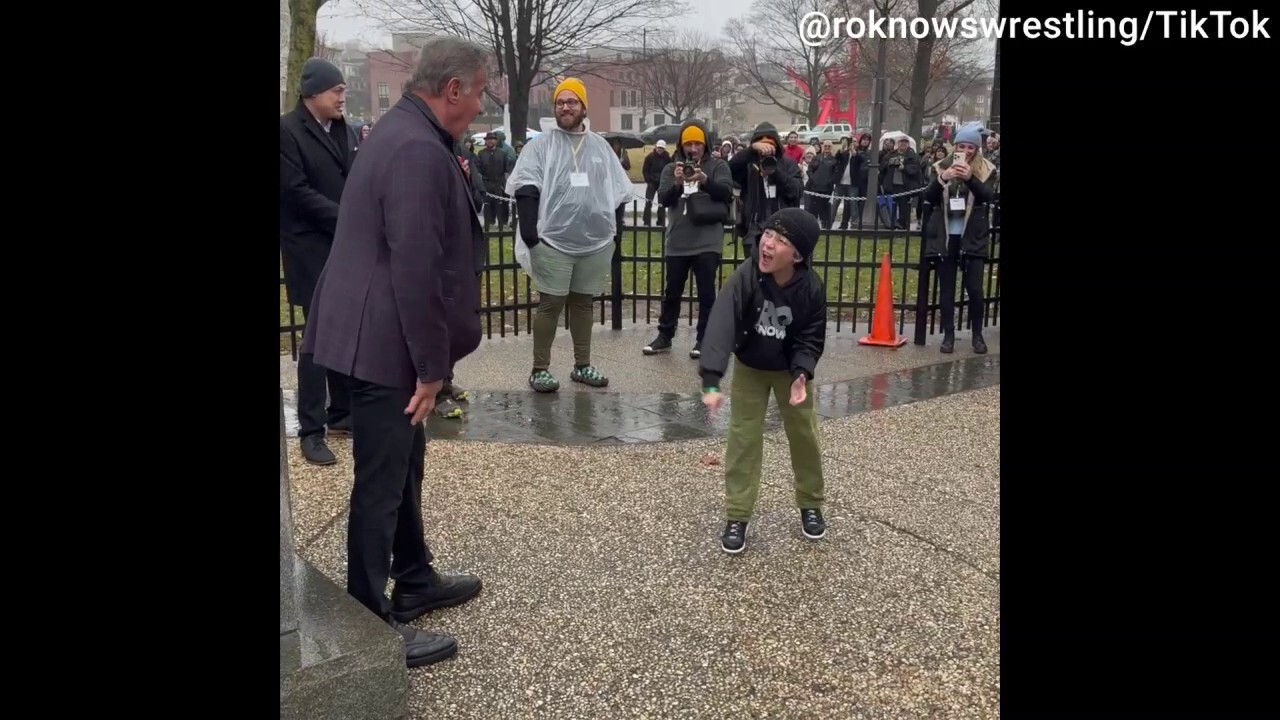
(316, 452)
(342, 428)
(424, 648)
(444, 591)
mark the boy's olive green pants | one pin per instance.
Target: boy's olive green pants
(748, 401)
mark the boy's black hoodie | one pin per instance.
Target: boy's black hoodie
(766, 326)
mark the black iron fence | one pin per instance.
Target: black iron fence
(848, 261)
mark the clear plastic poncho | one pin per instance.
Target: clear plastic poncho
(581, 183)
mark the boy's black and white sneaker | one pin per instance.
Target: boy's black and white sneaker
(660, 344)
(696, 352)
(812, 524)
(734, 539)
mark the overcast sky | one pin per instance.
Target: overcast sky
(343, 21)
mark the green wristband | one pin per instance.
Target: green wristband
(710, 390)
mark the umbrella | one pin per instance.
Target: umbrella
(628, 141)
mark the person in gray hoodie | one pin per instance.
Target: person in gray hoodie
(697, 187)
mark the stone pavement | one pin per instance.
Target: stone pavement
(607, 596)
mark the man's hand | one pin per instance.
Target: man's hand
(713, 400)
(466, 167)
(679, 172)
(698, 176)
(798, 393)
(762, 147)
(423, 401)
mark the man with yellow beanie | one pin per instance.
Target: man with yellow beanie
(698, 190)
(569, 189)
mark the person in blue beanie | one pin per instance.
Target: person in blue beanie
(958, 234)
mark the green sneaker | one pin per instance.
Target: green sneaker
(542, 381)
(589, 376)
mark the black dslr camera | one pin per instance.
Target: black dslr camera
(690, 169)
(768, 164)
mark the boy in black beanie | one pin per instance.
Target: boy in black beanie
(772, 316)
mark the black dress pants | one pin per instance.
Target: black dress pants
(315, 384)
(385, 536)
(705, 267)
(947, 267)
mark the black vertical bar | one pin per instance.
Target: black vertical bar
(648, 273)
(922, 279)
(502, 289)
(615, 272)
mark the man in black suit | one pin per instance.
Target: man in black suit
(316, 152)
(395, 308)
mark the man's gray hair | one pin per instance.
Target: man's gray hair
(443, 58)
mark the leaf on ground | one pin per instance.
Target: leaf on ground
(710, 459)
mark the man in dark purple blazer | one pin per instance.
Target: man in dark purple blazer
(397, 305)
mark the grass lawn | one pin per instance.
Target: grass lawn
(643, 275)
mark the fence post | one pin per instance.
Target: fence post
(922, 281)
(615, 273)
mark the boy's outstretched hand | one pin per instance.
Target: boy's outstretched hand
(798, 393)
(713, 400)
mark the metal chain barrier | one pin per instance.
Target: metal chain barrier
(841, 198)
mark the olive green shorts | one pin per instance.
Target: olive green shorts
(555, 273)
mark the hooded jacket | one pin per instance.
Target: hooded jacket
(683, 236)
(765, 326)
(746, 171)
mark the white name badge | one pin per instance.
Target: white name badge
(957, 203)
(770, 191)
(578, 179)
(690, 188)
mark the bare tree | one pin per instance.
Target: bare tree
(324, 50)
(302, 40)
(681, 74)
(532, 40)
(779, 67)
(927, 76)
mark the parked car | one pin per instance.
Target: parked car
(669, 132)
(529, 134)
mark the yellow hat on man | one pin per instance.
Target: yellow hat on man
(573, 85)
(693, 133)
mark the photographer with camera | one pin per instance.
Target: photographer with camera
(697, 187)
(824, 170)
(902, 173)
(769, 180)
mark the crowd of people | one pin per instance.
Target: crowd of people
(383, 247)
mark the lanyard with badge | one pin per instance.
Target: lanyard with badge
(578, 178)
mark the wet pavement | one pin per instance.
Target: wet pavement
(587, 418)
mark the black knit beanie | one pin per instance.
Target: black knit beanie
(799, 227)
(319, 75)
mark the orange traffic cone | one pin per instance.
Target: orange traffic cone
(882, 332)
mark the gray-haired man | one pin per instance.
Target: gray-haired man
(396, 307)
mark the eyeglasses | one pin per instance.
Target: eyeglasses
(775, 236)
(568, 103)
